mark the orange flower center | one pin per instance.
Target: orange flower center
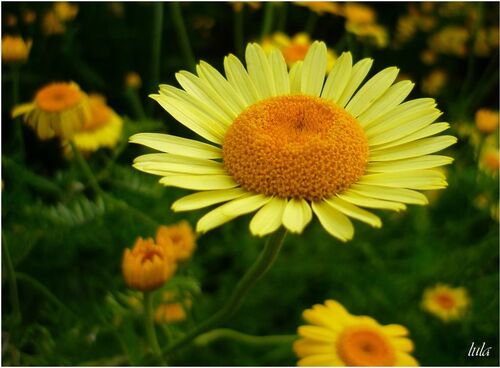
(295, 146)
(445, 300)
(295, 52)
(58, 97)
(364, 346)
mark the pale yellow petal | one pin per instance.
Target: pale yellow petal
(404, 128)
(353, 211)
(371, 91)
(389, 100)
(333, 221)
(192, 118)
(268, 218)
(417, 163)
(403, 344)
(413, 149)
(405, 360)
(338, 78)
(414, 179)
(241, 206)
(363, 201)
(167, 164)
(313, 69)
(358, 73)
(240, 80)
(297, 215)
(320, 360)
(22, 109)
(295, 77)
(428, 131)
(317, 333)
(395, 330)
(280, 72)
(199, 182)
(260, 70)
(205, 199)
(306, 347)
(389, 194)
(176, 145)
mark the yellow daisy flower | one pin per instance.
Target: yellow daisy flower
(147, 266)
(486, 120)
(334, 337)
(103, 129)
(294, 49)
(59, 109)
(445, 302)
(15, 49)
(290, 144)
(179, 237)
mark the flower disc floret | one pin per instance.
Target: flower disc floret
(295, 147)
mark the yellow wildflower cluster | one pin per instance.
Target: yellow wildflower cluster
(173, 307)
(149, 264)
(55, 18)
(434, 82)
(63, 110)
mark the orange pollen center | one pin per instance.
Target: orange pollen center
(295, 146)
(364, 346)
(150, 254)
(58, 97)
(445, 301)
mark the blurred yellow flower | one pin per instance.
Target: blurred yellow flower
(445, 302)
(103, 129)
(238, 5)
(170, 313)
(15, 49)
(51, 24)
(486, 120)
(372, 33)
(59, 109)
(321, 7)
(133, 80)
(147, 266)
(29, 16)
(294, 49)
(450, 40)
(65, 11)
(179, 237)
(334, 337)
(490, 160)
(406, 28)
(428, 57)
(10, 20)
(434, 82)
(356, 13)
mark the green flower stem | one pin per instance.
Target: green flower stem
(14, 296)
(267, 23)
(238, 32)
(226, 333)
(43, 290)
(182, 35)
(150, 326)
(15, 100)
(156, 46)
(97, 189)
(135, 102)
(282, 14)
(30, 178)
(257, 270)
(311, 23)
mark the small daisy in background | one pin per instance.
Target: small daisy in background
(445, 302)
(334, 337)
(15, 49)
(180, 237)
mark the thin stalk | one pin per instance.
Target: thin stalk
(156, 46)
(282, 13)
(150, 326)
(267, 23)
(14, 295)
(238, 32)
(182, 35)
(311, 23)
(263, 263)
(135, 102)
(17, 122)
(228, 334)
(43, 290)
(86, 169)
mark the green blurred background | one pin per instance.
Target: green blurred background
(66, 245)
